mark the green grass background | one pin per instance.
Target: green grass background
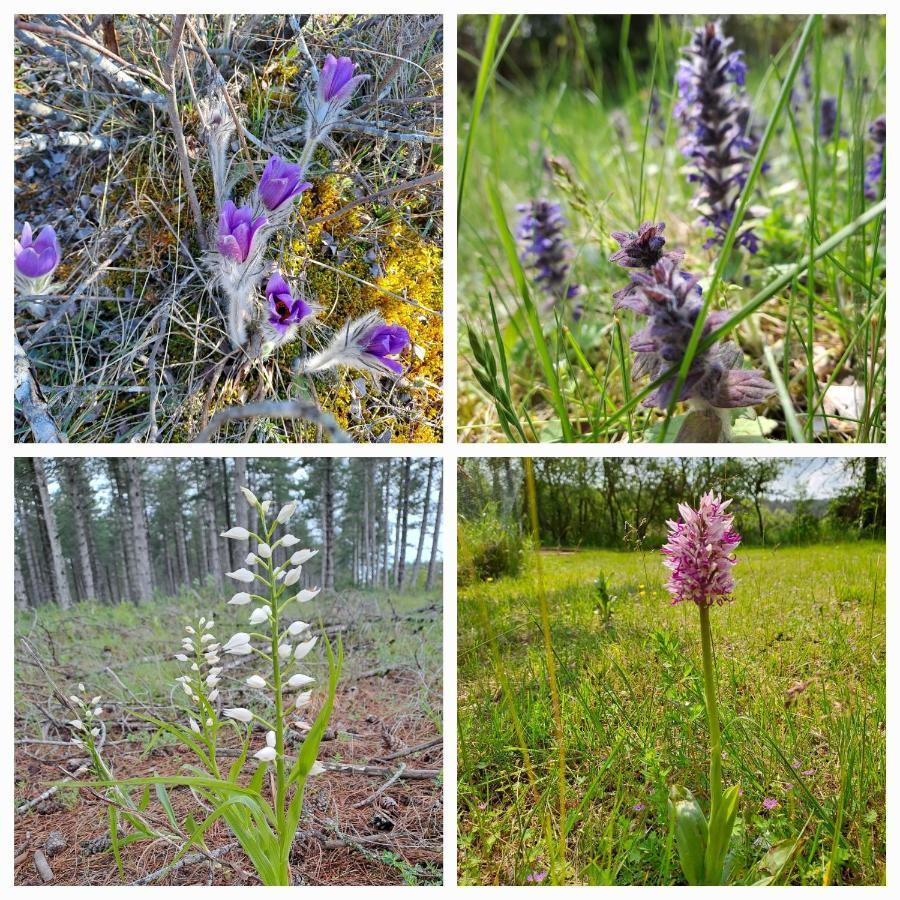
(633, 720)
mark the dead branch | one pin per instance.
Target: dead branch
(178, 131)
(40, 143)
(376, 794)
(31, 401)
(271, 409)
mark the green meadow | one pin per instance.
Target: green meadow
(570, 734)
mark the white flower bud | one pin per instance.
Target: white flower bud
(237, 640)
(284, 651)
(299, 681)
(211, 658)
(249, 496)
(207, 638)
(270, 738)
(244, 575)
(263, 551)
(189, 630)
(98, 710)
(296, 628)
(238, 713)
(209, 723)
(77, 724)
(260, 614)
(267, 754)
(217, 670)
(213, 696)
(306, 595)
(95, 732)
(303, 649)
(236, 534)
(181, 657)
(264, 506)
(286, 512)
(292, 577)
(194, 726)
(302, 556)
(81, 687)
(202, 620)
(256, 681)
(239, 599)
(76, 700)
(317, 769)
(289, 540)
(195, 667)
(95, 700)
(303, 698)
(240, 650)
(251, 559)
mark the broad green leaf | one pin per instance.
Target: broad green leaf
(163, 796)
(690, 833)
(720, 827)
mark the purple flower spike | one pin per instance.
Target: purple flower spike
(700, 553)
(642, 248)
(337, 81)
(284, 310)
(36, 257)
(280, 183)
(671, 299)
(875, 163)
(715, 117)
(237, 228)
(544, 248)
(386, 341)
(828, 118)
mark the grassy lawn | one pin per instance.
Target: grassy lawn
(389, 700)
(801, 672)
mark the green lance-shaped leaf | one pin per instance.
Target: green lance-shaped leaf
(690, 833)
(721, 824)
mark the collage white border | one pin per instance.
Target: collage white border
(448, 450)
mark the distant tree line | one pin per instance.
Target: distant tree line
(125, 529)
(614, 502)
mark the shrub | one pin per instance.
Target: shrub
(489, 548)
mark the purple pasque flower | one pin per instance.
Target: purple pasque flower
(280, 183)
(237, 228)
(337, 81)
(700, 553)
(36, 257)
(875, 163)
(715, 118)
(384, 342)
(672, 299)
(284, 310)
(545, 251)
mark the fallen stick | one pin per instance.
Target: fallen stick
(376, 794)
(31, 402)
(270, 409)
(188, 860)
(381, 771)
(40, 143)
(427, 745)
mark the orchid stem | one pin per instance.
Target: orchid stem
(712, 714)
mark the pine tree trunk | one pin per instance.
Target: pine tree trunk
(142, 567)
(328, 525)
(242, 511)
(20, 594)
(75, 488)
(436, 533)
(423, 526)
(401, 562)
(212, 519)
(57, 562)
(122, 514)
(25, 538)
(385, 523)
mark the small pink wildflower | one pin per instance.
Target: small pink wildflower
(770, 803)
(536, 877)
(700, 553)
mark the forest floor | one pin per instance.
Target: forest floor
(387, 717)
(131, 344)
(800, 657)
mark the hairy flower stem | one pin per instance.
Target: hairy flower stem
(712, 715)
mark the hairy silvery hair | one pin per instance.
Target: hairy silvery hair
(350, 347)
(218, 128)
